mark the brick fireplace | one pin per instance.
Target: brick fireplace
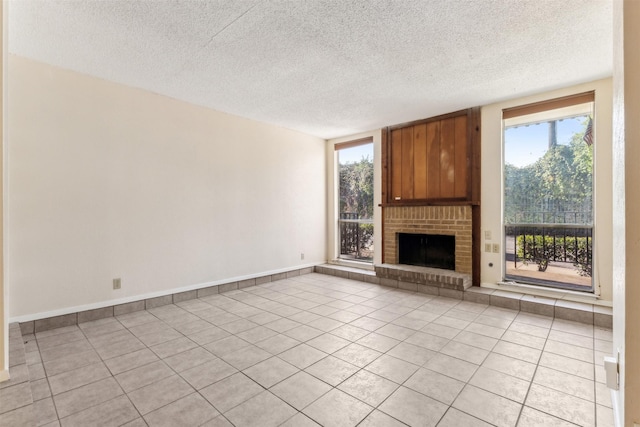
(431, 188)
(429, 220)
(445, 220)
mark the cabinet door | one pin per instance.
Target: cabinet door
(447, 158)
(407, 163)
(461, 169)
(429, 161)
(433, 160)
(396, 164)
(420, 162)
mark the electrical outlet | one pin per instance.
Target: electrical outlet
(496, 248)
(487, 247)
(117, 283)
(487, 235)
(301, 255)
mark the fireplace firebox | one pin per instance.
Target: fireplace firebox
(427, 250)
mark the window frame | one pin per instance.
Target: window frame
(540, 112)
(337, 148)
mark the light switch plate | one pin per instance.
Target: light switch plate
(487, 235)
(487, 247)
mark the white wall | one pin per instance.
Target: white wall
(492, 155)
(4, 306)
(110, 181)
(618, 190)
(626, 197)
(332, 188)
(631, 297)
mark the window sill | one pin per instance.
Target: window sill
(361, 265)
(558, 294)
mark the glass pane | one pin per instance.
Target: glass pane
(355, 166)
(548, 173)
(548, 202)
(355, 198)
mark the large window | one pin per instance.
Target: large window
(548, 193)
(355, 200)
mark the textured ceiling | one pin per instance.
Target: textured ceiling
(325, 67)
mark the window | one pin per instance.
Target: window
(355, 200)
(548, 193)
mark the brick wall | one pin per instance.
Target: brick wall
(444, 220)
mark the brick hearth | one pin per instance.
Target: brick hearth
(414, 278)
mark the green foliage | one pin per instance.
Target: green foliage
(538, 249)
(580, 255)
(521, 194)
(356, 188)
(356, 202)
(557, 188)
(543, 249)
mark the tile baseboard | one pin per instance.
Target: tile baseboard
(581, 312)
(70, 319)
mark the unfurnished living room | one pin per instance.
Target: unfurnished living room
(320, 213)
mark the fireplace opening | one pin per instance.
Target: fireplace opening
(427, 250)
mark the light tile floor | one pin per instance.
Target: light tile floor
(312, 350)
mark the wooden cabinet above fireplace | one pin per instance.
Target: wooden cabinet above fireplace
(433, 161)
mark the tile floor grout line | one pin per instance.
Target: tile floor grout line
(374, 408)
(524, 401)
(148, 348)
(239, 371)
(467, 383)
(195, 391)
(124, 393)
(387, 301)
(55, 407)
